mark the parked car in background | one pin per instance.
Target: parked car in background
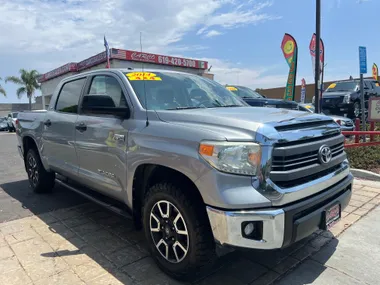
(255, 99)
(12, 121)
(343, 97)
(3, 124)
(346, 124)
(217, 173)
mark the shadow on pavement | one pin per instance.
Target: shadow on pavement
(81, 232)
(17, 200)
(311, 271)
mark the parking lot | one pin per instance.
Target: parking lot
(63, 239)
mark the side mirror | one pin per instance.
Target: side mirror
(121, 112)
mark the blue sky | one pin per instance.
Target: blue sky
(240, 39)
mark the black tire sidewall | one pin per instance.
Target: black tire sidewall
(32, 153)
(46, 179)
(189, 216)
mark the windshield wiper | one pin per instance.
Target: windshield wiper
(232, 105)
(187, 108)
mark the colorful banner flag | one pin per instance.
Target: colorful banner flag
(107, 52)
(290, 51)
(312, 48)
(375, 71)
(303, 90)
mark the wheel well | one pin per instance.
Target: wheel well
(28, 143)
(146, 176)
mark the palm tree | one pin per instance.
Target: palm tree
(28, 82)
(2, 90)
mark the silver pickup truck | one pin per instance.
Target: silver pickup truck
(191, 163)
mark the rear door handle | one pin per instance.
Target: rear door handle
(81, 127)
(47, 123)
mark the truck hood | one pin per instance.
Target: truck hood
(239, 123)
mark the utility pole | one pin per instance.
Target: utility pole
(317, 55)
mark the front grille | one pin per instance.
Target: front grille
(332, 101)
(295, 163)
(285, 163)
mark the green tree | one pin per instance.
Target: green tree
(28, 84)
(2, 90)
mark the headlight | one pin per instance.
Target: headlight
(346, 99)
(232, 157)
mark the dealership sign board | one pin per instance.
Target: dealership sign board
(128, 55)
(374, 109)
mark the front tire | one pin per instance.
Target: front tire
(178, 232)
(40, 180)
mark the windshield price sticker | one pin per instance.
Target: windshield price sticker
(231, 88)
(332, 86)
(143, 76)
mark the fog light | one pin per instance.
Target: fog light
(252, 230)
(248, 229)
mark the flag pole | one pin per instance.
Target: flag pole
(108, 65)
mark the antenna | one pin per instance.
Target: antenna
(145, 99)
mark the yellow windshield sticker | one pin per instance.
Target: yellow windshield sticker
(332, 86)
(231, 88)
(143, 76)
(307, 106)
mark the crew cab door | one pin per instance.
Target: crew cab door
(58, 134)
(101, 139)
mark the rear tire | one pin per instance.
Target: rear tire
(40, 180)
(180, 239)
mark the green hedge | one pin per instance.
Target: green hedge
(366, 157)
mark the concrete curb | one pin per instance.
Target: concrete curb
(365, 174)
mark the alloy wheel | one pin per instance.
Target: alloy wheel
(169, 231)
(33, 170)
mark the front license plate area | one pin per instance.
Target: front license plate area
(332, 216)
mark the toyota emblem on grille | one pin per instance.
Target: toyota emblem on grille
(324, 154)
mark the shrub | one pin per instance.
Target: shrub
(366, 157)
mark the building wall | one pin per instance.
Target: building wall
(5, 109)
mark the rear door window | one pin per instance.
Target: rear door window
(105, 91)
(69, 96)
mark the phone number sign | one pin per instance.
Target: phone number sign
(374, 110)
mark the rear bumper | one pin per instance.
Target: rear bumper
(281, 227)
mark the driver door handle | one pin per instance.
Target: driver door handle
(81, 127)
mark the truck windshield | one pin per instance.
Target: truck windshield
(175, 91)
(244, 92)
(343, 86)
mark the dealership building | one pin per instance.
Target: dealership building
(119, 59)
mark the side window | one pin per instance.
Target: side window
(105, 91)
(367, 85)
(69, 96)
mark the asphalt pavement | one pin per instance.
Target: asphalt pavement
(16, 197)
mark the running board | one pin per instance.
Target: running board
(98, 199)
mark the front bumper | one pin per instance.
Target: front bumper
(280, 226)
(338, 109)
